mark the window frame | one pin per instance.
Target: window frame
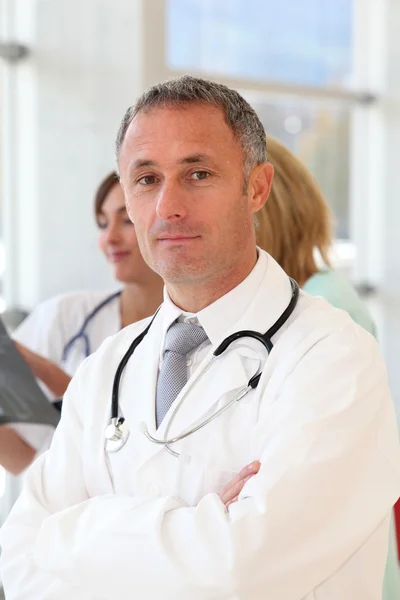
(364, 98)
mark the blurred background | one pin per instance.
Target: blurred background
(323, 75)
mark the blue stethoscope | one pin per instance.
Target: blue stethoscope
(117, 432)
(82, 334)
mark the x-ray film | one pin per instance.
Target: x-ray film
(21, 399)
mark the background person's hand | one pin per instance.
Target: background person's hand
(232, 490)
(27, 354)
(47, 371)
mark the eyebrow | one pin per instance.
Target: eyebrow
(187, 160)
(194, 158)
(143, 163)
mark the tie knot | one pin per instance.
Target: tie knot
(184, 337)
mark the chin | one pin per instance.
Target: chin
(122, 276)
(183, 273)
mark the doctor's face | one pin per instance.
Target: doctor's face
(182, 172)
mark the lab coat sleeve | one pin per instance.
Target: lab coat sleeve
(42, 331)
(54, 482)
(328, 445)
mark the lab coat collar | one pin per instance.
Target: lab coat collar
(227, 310)
(259, 306)
(266, 286)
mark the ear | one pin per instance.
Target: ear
(259, 187)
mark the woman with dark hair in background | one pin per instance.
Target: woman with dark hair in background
(61, 332)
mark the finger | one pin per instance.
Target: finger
(235, 499)
(235, 490)
(250, 469)
(234, 487)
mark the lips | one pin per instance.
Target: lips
(116, 257)
(177, 238)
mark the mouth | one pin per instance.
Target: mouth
(116, 257)
(177, 239)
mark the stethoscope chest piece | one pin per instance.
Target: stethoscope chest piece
(116, 435)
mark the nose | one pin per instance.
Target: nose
(112, 234)
(171, 202)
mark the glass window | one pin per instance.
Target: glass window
(318, 133)
(293, 41)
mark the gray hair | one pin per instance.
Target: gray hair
(239, 115)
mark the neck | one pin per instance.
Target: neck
(197, 295)
(140, 300)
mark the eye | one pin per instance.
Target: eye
(147, 180)
(200, 175)
(101, 224)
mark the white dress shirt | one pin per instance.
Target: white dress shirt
(215, 318)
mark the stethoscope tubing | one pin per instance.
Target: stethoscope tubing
(82, 332)
(264, 339)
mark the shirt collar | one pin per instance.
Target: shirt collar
(222, 314)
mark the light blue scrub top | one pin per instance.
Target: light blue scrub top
(340, 293)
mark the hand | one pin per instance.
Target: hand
(15, 453)
(232, 490)
(47, 371)
(27, 354)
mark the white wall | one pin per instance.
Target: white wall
(62, 107)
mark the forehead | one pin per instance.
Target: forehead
(170, 133)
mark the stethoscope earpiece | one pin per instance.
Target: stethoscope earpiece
(142, 428)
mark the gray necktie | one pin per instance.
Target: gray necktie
(181, 339)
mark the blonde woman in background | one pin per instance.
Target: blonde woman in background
(296, 222)
(292, 226)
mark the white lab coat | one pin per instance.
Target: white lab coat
(50, 327)
(312, 525)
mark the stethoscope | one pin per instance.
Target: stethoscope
(82, 335)
(117, 432)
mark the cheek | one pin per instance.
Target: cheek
(101, 241)
(134, 204)
(140, 226)
(130, 237)
(141, 208)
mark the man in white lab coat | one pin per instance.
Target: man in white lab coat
(142, 523)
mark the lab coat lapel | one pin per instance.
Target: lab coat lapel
(232, 371)
(138, 390)
(205, 394)
(229, 373)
